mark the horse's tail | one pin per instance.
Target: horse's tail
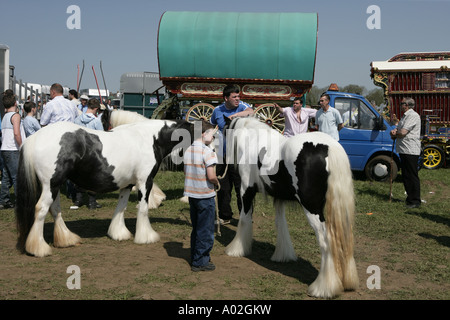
(339, 214)
(27, 193)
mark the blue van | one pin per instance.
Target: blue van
(365, 137)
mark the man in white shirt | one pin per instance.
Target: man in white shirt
(408, 146)
(59, 108)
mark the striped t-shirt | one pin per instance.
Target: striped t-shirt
(196, 159)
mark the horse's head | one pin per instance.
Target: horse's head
(227, 124)
(195, 128)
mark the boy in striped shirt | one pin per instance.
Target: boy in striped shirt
(200, 179)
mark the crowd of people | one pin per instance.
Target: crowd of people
(203, 172)
(15, 128)
(208, 174)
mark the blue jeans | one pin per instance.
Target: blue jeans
(9, 174)
(202, 235)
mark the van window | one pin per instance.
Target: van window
(355, 113)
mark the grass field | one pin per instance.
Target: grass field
(410, 248)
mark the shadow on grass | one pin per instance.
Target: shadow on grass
(431, 217)
(443, 240)
(301, 269)
(97, 228)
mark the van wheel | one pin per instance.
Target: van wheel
(379, 169)
(433, 157)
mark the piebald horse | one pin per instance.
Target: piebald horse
(311, 169)
(99, 161)
(115, 118)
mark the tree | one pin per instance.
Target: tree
(354, 88)
(376, 96)
(312, 97)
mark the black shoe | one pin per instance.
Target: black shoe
(78, 203)
(412, 206)
(94, 205)
(209, 267)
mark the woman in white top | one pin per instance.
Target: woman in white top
(13, 135)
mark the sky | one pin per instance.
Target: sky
(123, 35)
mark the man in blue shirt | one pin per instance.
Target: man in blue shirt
(328, 119)
(89, 117)
(232, 107)
(30, 123)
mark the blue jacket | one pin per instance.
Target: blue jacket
(90, 121)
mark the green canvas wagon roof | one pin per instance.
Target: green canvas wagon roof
(232, 45)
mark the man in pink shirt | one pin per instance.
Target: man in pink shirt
(296, 118)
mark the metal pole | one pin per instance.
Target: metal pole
(390, 168)
(98, 88)
(81, 77)
(143, 95)
(19, 95)
(78, 76)
(104, 82)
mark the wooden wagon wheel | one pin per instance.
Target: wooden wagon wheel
(268, 114)
(200, 111)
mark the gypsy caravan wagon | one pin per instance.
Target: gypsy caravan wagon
(425, 77)
(270, 56)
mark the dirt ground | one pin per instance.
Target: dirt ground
(160, 271)
(112, 270)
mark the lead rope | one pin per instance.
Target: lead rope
(217, 204)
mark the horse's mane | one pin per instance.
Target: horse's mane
(250, 123)
(249, 137)
(120, 117)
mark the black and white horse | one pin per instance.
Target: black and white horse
(311, 169)
(114, 118)
(98, 161)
